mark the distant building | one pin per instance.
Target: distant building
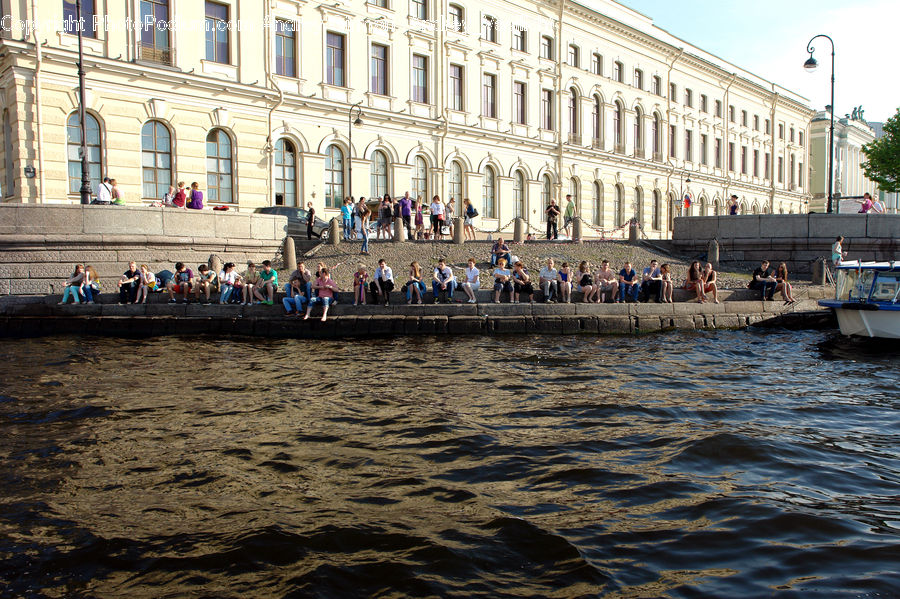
(891, 201)
(850, 135)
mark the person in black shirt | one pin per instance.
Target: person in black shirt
(764, 281)
(129, 283)
(310, 221)
(552, 214)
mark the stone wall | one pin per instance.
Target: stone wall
(40, 244)
(798, 239)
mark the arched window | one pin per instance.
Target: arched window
(638, 130)
(576, 197)
(704, 206)
(546, 194)
(657, 210)
(657, 147)
(334, 177)
(156, 158)
(218, 167)
(597, 125)
(456, 181)
(285, 173)
(717, 207)
(755, 208)
(619, 126)
(519, 195)
(619, 206)
(744, 208)
(379, 181)
(489, 193)
(598, 204)
(639, 204)
(73, 145)
(574, 125)
(420, 180)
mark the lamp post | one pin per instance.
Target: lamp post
(810, 65)
(350, 123)
(85, 166)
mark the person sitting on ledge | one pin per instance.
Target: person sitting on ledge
(565, 283)
(268, 281)
(443, 281)
(325, 289)
(764, 281)
(74, 285)
(249, 281)
(148, 284)
(206, 282)
(668, 286)
(522, 283)
(472, 283)
(359, 284)
(606, 281)
(91, 287)
(694, 281)
(710, 282)
(382, 283)
(589, 291)
(129, 283)
(651, 280)
(782, 284)
(297, 291)
(502, 282)
(628, 283)
(500, 250)
(300, 279)
(548, 279)
(180, 283)
(227, 280)
(415, 285)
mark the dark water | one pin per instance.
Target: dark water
(727, 464)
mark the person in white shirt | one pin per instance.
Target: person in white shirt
(548, 280)
(443, 281)
(471, 284)
(878, 206)
(449, 213)
(437, 216)
(104, 192)
(382, 283)
(227, 278)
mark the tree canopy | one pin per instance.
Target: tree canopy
(883, 157)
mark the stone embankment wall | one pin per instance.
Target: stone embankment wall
(798, 239)
(40, 244)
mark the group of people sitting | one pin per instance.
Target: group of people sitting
(769, 282)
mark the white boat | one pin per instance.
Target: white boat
(866, 299)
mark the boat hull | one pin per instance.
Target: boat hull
(864, 321)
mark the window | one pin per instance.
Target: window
(688, 145)
(619, 127)
(657, 132)
(618, 72)
(573, 191)
(731, 156)
(285, 173)
(638, 130)
(334, 177)
(71, 25)
(688, 98)
(73, 145)
(639, 79)
(574, 125)
(420, 79)
(619, 206)
(489, 97)
(780, 130)
(520, 97)
(781, 169)
(673, 92)
(420, 179)
(657, 210)
(638, 204)
(574, 56)
(156, 159)
(547, 109)
(489, 193)
(596, 118)
(334, 59)
(379, 70)
(285, 49)
(379, 177)
(597, 216)
(217, 43)
(718, 153)
(704, 103)
(155, 44)
(800, 175)
(597, 64)
(218, 167)
(546, 194)
(756, 163)
(704, 149)
(672, 132)
(547, 47)
(756, 122)
(656, 87)
(743, 160)
(719, 108)
(419, 9)
(768, 127)
(743, 118)
(519, 39)
(767, 171)
(489, 29)
(519, 195)
(792, 135)
(800, 137)
(380, 3)
(456, 87)
(456, 180)
(455, 16)
(791, 176)
(731, 114)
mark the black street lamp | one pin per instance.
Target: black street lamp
(85, 166)
(350, 123)
(810, 65)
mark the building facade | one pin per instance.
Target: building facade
(891, 201)
(506, 104)
(851, 133)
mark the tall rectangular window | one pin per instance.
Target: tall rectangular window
(673, 92)
(420, 79)
(154, 17)
(743, 118)
(334, 59)
(780, 130)
(379, 70)
(574, 56)
(88, 12)
(547, 109)
(800, 137)
(672, 141)
(456, 87)
(489, 28)
(731, 113)
(688, 145)
(520, 98)
(768, 126)
(597, 64)
(743, 160)
(419, 9)
(731, 156)
(756, 163)
(719, 108)
(656, 87)
(489, 96)
(767, 166)
(781, 169)
(618, 72)
(718, 153)
(756, 122)
(519, 39)
(704, 149)
(455, 18)
(547, 47)
(689, 98)
(704, 103)
(217, 42)
(639, 79)
(285, 48)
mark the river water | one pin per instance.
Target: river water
(707, 464)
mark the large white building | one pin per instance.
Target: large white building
(506, 103)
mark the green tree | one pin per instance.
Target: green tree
(883, 157)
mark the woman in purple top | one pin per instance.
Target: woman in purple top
(196, 202)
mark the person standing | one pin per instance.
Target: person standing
(837, 251)
(437, 216)
(347, 218)
(310, 220)
(570, 214)
(449, 213)
(470, 213)
(406, 214)
(552, 214)
(733, 206)
(363, 213)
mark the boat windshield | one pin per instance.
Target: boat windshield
(887, 286)
(846, 284)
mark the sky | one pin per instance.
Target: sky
(769, 37)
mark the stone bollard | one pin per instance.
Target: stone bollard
(712, 253)
(399, 229)
(215, 264)
(518, 230)
(289, 252)
(459, 230)
(818, 272)
(576, 230)
(632, 232)
(334, 232)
